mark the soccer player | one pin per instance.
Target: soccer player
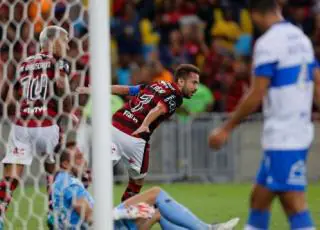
(73, 204)
(284, 76)
(84, 132)
(134, 123)
(39, 94)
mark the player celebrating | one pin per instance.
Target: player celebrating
(39, 96)
(284, 76)
(134, 123)
(73, 204)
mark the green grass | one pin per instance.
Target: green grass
(210, 202)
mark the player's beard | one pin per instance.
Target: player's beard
(186, 93)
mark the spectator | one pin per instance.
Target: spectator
(167, 19)
(300, 17)
(214, 62)
(4, 13)
(227, 31)
(188, 7)
(238, 84)
(18, 12)
(38, 13)
(202, 32)
(128, 36)
(174, 54)
(12, 32)
(243, 45)
(194, 41)
(4, 53)
(317, 36)
(141, 76)
(149, 37)
(25, 33)
(158, 72)
(17, 52)
(80, 24)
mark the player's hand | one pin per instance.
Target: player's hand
(141, 210)
(218, 137)
(141, 129)
(83, 90)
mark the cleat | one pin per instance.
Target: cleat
(229, 225)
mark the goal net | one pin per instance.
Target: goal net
(21, 24)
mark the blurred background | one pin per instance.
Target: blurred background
(149, 39)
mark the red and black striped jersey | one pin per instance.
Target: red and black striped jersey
(36, 91)
(130, 117)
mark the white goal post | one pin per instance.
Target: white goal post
(100, 67)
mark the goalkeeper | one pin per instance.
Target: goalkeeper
(73, 204)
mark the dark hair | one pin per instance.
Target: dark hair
(183, 71)
(65, 154)
(262, 6)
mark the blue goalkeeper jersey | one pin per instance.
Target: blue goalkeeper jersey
(67, 188)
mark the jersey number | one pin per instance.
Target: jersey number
(143, 100)
(35, 88)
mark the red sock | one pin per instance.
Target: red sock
(132, 190)
(7, 186)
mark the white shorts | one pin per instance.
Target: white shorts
(133, 151)
(25, 142)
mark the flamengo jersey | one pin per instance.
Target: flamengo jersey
(130, 117)
(285, 55)
(37, 92)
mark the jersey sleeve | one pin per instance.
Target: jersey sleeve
(265, 58)
(134, 90)
(171, 101)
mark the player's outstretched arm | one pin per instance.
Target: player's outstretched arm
(248, 104)
(317, 87)
(82, 207)
(125, 90)
(154, 113)
(122, 90)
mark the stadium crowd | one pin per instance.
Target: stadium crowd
(150, 38)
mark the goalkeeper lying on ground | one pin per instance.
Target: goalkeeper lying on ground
(73, 204)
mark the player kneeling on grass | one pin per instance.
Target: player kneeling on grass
(73, 204)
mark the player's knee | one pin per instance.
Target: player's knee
(260, 198)
(155, 190)
(137, 181)
(254, 199)
(293, 202)
(13, 171)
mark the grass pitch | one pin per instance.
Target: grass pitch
(210, 202)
